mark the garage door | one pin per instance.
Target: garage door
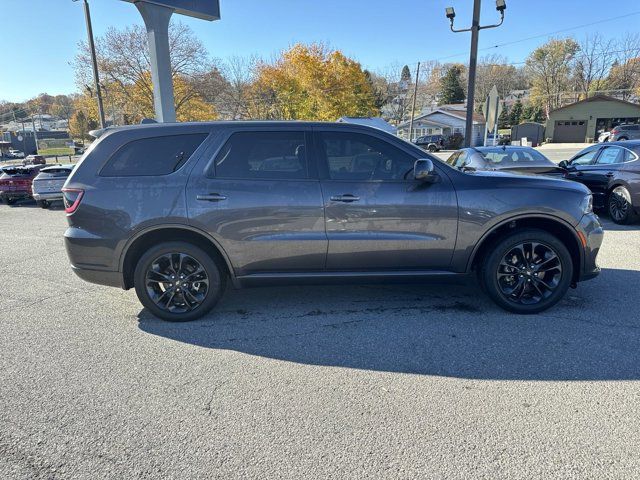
(570, 131)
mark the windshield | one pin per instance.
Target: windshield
(505, 157)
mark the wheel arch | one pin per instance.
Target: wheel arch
(553, 225)
(136, 246)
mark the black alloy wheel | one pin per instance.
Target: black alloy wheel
(178, 281)
(620, 206)
(527, 272)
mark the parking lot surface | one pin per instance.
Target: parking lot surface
(406, 381)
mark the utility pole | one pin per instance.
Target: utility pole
(413, 108)
(94, 62)
(473, 61)
(24, 135)
(35, 135)
(473, 57)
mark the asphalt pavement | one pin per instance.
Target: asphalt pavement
(405, 381)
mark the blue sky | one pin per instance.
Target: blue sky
(40, 38)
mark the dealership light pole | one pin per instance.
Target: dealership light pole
(473, 57)
(94, 62)
(156, 15)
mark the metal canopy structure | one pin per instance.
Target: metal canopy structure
(156, 15)
(203, 9)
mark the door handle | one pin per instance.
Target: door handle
(211, 197)
(609, 174)
(347, 197)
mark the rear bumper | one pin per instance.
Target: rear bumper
(15, 193)
(591, 232)
(100, 277)
(91, 258)
(47, 196)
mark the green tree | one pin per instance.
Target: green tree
(378, 93)
(515, 116)
(504, 120)
(532, 113)
(451, 90)
(405, 76)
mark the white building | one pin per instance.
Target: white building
(444, 120)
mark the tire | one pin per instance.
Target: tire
(432, 148)
(43, 203)
(622, 139)
(10, 201)
(619, 206)
(153, 266)
(540, 284)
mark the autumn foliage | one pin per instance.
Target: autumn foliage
(311, 82)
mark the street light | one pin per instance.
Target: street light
(92, 48)
(475, 28)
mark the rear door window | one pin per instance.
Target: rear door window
(152, 156)
(263, 155)
(611, 155)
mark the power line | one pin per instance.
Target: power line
(542, 35)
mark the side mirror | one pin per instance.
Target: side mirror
(564, 164)
(424, 171)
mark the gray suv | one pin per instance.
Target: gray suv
(178, 210)
(625, 132)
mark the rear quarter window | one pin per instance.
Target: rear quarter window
(152, 156)
(56, 172)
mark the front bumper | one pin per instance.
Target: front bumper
(591, 234)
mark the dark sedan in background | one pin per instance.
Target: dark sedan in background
(507, 158)
(612, 172)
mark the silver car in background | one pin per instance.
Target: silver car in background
(47, 186)
(625, 132)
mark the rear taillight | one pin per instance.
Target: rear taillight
(72, 198)
(615, 130)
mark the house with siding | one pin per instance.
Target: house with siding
(444, 120)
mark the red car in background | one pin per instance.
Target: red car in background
(15, 182)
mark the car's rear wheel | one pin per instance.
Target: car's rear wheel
(178, 282)
(620, 206)
(622, 139)
(43, 203)
(527, 272)
(10, 201)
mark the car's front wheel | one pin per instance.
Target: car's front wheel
(620, 206)
(432, 148)
(178, 282)
(527, 272)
